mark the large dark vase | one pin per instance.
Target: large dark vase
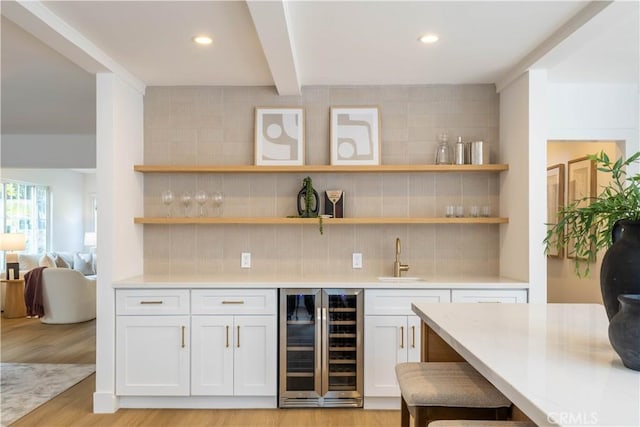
(624, 331)
(620, 272)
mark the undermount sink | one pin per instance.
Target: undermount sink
(400, 279)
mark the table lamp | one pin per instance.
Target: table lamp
(10, 242)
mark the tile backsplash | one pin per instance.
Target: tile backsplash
(215, 125)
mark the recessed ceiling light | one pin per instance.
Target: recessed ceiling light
(203, 40)
(429, 38)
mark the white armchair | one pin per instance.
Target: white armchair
(67, 296)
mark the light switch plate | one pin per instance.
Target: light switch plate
(357, 260)
(245, 260)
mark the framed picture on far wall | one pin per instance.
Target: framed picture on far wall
(279, 136)
(581, 186)
(555, 202)
(355, 136)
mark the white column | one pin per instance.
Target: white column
(119, 145)
(523, 131)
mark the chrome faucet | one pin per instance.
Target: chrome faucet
(398, 267)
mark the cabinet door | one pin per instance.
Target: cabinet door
(212, 355)
(152, 355)
(385, 345)
(413, 338)
(255, 356)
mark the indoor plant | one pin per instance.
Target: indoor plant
(611, 220)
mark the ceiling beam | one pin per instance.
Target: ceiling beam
(271, 21)
(557, 46)
(49, 28)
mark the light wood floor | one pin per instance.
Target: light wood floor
(27, 340)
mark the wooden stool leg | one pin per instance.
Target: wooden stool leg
(404, 413)
(421, 417)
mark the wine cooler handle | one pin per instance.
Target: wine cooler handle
(238, 343)
(413, 337)
(227, 336)
(401, 336)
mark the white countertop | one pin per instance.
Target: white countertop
(553, 361)
(214, 281)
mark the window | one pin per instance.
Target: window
(25, 209)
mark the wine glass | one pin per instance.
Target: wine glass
(201, 198)
(167, 199)
(186, 201)
(217, 198)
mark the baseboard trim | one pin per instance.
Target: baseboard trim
(199, 402)
(105, 403)
(382, 403)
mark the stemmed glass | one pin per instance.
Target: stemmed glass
(167, 199)
(186, 201)
(201, 198)
(217, 199)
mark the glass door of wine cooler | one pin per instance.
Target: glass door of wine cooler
(300, 340)
(342, 318)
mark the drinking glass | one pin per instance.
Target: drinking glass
(186, 201)
(201, 198)
(449, 211)
(217, 199)
(486, 211)
(167, 199)
(474, 211)
(459, 211)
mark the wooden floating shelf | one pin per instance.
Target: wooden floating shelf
(327, 221)
(318, 168)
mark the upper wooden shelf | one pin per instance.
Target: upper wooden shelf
(343, 221)
(317, 168)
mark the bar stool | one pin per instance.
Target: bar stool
(474, 423)
(430, 390)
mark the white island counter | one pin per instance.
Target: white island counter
(553, 361)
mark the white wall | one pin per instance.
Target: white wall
(119, 130)
(49, 151)
(596, 112)
(68, 198)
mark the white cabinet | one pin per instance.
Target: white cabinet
(152, 342)
(204, 342)
(234, 350)
(392, 336)
(234, 356)
(489, 295)
(389, 340)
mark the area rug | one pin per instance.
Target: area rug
(25, 386)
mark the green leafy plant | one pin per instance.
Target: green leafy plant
(589, 227)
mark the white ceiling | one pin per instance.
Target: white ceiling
(298, 43)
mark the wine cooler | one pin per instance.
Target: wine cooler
(321, 351)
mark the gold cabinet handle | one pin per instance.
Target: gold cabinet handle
(151, 302)
(401, 336)
(413, 337)
(233, 302)
(238, 337)
(227, 336)
(183, 329)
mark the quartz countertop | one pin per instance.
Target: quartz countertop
(261, 281)
(553, 361)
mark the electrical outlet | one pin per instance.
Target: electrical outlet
(245, 260)
(357, 260)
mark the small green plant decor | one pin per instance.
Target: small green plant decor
(589, 225)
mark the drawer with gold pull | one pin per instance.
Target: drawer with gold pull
(152, 301)
(233, 301)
